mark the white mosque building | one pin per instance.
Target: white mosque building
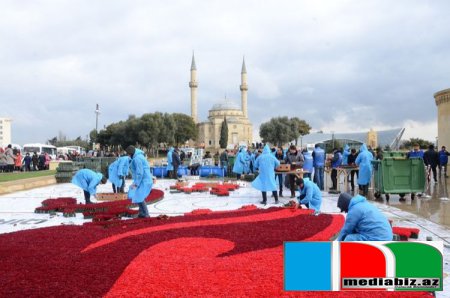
(240, 130)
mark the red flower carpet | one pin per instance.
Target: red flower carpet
(218, 254)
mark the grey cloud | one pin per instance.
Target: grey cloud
(368, 63)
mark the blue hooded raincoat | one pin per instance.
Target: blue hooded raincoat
(364, 161)
(266, 163)
(240, 162)
(345, 155)
(365, 222)
(117, 169)
(87, 180)
(169, 160)
(142, 178)
(308, 164)
(312, 193)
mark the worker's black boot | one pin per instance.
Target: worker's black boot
(276, 196)
(264, 201)
(281, 194)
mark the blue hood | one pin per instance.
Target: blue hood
(363, 148)
(346, 147)
(266, 150)
(138, 152)
(356, 199)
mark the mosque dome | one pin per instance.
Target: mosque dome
(225, 105)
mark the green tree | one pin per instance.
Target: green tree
(149, 130)
(185, 128)
(301, 127)
(282, 130)
(224, 134)
(277, 131)
(408, 144)
(53, 141)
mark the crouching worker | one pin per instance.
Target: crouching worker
(142, 180)
(88, 180)
(266, 163)
(364, 221)
(310, 194)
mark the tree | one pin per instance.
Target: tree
(282, 130)
(185, 128)
(277, 131)
(93, 135)
(149, 131)
(53, 141)
(224, 134)
(410, 143)
(301, 127)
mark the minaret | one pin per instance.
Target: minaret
(244, 88)
(193, 85)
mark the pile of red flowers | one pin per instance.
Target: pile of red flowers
(232, 254)
(214, 188)
(98, 212)
(404, 233)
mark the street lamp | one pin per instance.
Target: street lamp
(97, 112)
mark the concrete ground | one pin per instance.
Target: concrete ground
(429, 214)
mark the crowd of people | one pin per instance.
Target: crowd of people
(12, 160)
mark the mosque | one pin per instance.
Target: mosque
(442, 100)
(240, 130)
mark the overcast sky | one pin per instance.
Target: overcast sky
(340, 65)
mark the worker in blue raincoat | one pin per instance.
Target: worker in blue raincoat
(248, 166)
(88, 180)
(239, 163)
(117, 171)
(364, 161)
(266, 163)
(169, 167)
(345, 154)
(142, 180)
(310, 194)
(308, 164)
(364, 222)
(319, 164)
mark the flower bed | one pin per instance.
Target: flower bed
(98, 212)
(221, 254)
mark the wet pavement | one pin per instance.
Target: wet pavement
(433, 205)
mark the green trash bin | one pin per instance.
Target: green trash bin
(398, 176)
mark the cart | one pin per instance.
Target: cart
(396, 174)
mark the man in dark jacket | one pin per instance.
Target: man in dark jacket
(335, 163)
(351, 162)
(176, 162)
(431, 158)
(293, 157)
(280, 157)
(443, 161)
(35, 160)
(224, 159)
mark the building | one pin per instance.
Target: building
(240, 130)
(383, 138)
(5, 132)
(442, 99)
